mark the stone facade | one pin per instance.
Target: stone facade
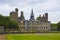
(31, 25)
(2, 29)
(14, 15)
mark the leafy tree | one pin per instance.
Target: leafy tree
(58, 26)
(54, 25)
(38, 18)
(7, 23)
(13, 25)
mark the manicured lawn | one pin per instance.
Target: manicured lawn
(33, 36)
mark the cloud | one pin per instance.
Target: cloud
(39, 7)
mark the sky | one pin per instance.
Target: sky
(52, 7)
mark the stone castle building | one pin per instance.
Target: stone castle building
(31, 25)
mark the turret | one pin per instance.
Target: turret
(14, 15)
(21, 13)
(22, 16)
(46, 16)
(43, 16)
(39, 15)
(16, 10)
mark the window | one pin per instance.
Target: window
(42, 27)
(46, 27)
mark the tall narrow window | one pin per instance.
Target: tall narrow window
(46, 27)
(42, 27)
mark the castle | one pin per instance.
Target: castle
(31, 25)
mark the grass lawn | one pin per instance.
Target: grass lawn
(47, 36)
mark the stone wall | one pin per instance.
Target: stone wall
(2, 30)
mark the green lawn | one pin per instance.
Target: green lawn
(33, 36)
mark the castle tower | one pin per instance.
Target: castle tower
(14, 15)
(22, 16)
(39, 15)
(32, 15)
(21, 22)
(46, 16)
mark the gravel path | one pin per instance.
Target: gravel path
(2, 37)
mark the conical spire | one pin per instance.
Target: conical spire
(32, 15)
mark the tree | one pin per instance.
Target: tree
(54, 24)
(13, 25)
(1, 20)
(7, 23)
(38, 18)
(58, 26)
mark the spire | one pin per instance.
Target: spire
(32, 15)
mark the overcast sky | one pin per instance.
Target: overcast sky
(52, 7)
